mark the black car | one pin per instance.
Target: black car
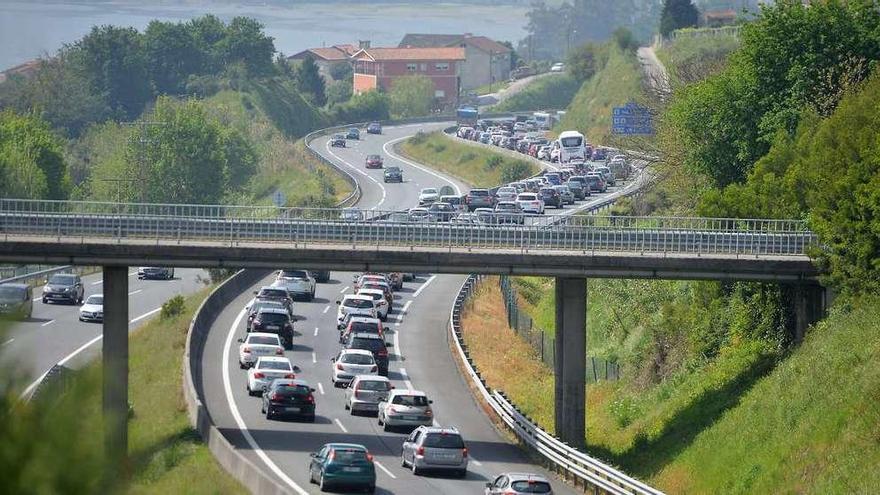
(353, 133)
(374, 344)
(374, 128)
(596, 183)
(155, 273)
(275, 320)
(337, 141)
(393, 174)
(322, 276)
(16, 300)
(577, 188)
(550, 196)
(259, 304)
(285, 397)
(66, 287)
(276, 294)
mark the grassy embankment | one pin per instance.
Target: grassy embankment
(547, 92)
(53, 444)
(491, 88)
(690, 59)
(473, 165)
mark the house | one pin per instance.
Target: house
(718, 18)
(378, 68)
(328, 57)
(486, 60)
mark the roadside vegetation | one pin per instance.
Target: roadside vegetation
(53, 444)
(472, 164)
(690, 60)
(553, 91)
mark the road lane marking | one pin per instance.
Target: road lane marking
(476, 462)
(99, 282)
(326, 309)
(344, 289)
(133, 273)
(416, 165)
(403, 311)
(316, 331)
(135, 292)
(237, 415)
(314, 358)
(8, 342)
(356, 169)
(148, 313)
(420, 289)
(384, 469)
(397, 343)
(48, 323)
(320, 388)
(341, 426)
(405, 377)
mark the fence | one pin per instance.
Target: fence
(544, 343)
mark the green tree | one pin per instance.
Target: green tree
(677, 14)
(371, 105)
(31, 161)
(625, 39)
(310, 83)
(583, 61)
(341, 72)
(514, 56)
(172, 55)
(245, 42)
(209, 32)
(338, 92)
(412, 96)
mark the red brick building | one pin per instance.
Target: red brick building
(378, 68)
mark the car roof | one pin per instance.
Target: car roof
(364, 319)
(262, 334)
(372, 291)
(350, 446)
(365, 335)
(417, 393)
(276, 359)
(357, 297)
(291, 381)
(372, 378)
(270, 309)
(443, 430)
(357, 351)
(525, 476)
(272, 287)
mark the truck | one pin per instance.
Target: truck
(467, 116)
(543, 119)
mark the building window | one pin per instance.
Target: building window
(411, 67)
(439, 93)
(442, 66)
(424, 67)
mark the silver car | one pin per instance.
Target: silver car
(365, 392)
(435, 448)
(405, 408)
(518, 484)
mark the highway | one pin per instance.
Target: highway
(420, 359)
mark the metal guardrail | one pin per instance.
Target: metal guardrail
(592, 472)
(39, 275)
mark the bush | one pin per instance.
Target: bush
(493, 162)
(172, 307)
(518, 170)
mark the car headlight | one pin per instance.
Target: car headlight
(45, 288)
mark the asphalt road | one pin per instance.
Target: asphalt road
(420, 359)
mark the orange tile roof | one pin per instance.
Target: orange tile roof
(335, 52)
(445, 53)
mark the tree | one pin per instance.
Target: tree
(209, 32)
(412, 96)
(310, 82)
(245, 42)
(31, 161)
(625, 39)
(172, 55)
(585, 60)
(677, 14)
(341, 72)
(370, 105)
(514, 57)
(338, 92)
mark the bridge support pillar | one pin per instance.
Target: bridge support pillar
(810, 304)
(571, 360)
(115, 370)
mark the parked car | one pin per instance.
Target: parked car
(257, 345)
(557, 67)
(374, 128)
(265, 370)
(298, 283)
(64, 287)
(285, 397)
(550, 196)
(365, 392)
(530, 203)
(405, 408)
(518, 484)
(337, 141)
(435, 448)
(16, 300)
(479, 198)
(93, 309)
(428, 195)
(374, 161)
(155, 272)
(342, 465)
(350, 363)
(392, 174)
(353, 133)
(277, 321)
(373, 343)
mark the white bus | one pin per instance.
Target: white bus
(571, 144)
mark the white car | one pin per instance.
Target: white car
(506, 193)
(530, 203)
(297, 283)
(355, 305)
(350, 363)
(351, 214)
(93, 309)
(267, 369)
(405, 408)
(359, 280)
(419, 215)
(428, 195)
(257, 345)
(378, 296)
(557, 67)
(544, 153)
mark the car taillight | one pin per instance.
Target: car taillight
(290, 375)
(464, 452)
(310, 399)
(420, 451)
(275, 397)
(247, 350)
(279, 352)
(374, 368)
(429, 413)
(369, 457)
(257, 323)
(259, 375)
(339, 366)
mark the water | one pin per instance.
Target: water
(29, 29)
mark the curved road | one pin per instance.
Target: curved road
(420, 359)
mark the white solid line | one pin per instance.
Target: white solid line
(316, 331)
(48, 323)
(326, 309)
(420, 289)
(356, 169)
(384, 469)
(341, 427)
(406, 379)
(30, 388)
(320, 388)
(8, 342)
(416, 165)
(476, 462)
(237, 416)
(148, 313)
(135, 292)
(314, 358)
(99, 282)
(344, 289)
(36, 299)
(397, 343)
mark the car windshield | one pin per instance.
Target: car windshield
(505, 207)
(443, 441)
(527, 197)
(357, 303)
(261, 340)
(410, 400)
(12, 294)
(376, 296)
(572, 141)
(274, 365)
(479, 192)
(372, 157)
(265, 304)
(506, 190)
(357, 359)
(528, 486)
(95, 299)
(364, 326)
(429, 191)
(375, 385)
(62, 279)
(272, 317)
(390, 170)
(274, 293)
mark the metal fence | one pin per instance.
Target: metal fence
(543, 342)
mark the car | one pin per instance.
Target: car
(361, 324)
(155, 272)
(453, 200)
(256, 304)
(342, 465)
(506, 193)
(596, 182)
(364, 393)
(374, 161)
(553, 178)
(277, 321)
(354, 305)
(353, 133)
(419, 215)
(322, 276)
(543, 153)
(298, 283)
(485, 215)
(374, 128)
(93, 309)
(530, 203)
(350, 363)
(16, 300)
(382, 305)
(392, 174)
(467, 219)
(266, 369)
(285, 397)
(373, 343)
(351, 214)
(428, 195)
(606, 174)
(577, 189)
(557, 67)
(599, 155)
(396, 280)
(64, 287)
(441, 212)
(508, 212)
(435, 448)
(337, 141)
(565, 193)
(479, 198)
(273, 293)
(410, 408)
(485, 137)
(518, 484)
(369, 277)
(550, 196)
(257, 345)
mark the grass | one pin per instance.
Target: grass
(491, 88)
(548, 92)
(688, 58)
(474, 165)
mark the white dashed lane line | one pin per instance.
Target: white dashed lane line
(326, 309)
(48, 323)
(320, 388)
(340, 425)
(135, 292)
(384, 469)
(316, 331)
(405, 378)
(344, 289)
(8, 342)
(99, 282)
(314, 358)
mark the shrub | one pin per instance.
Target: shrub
(493, 162)
(518, 170)
(172, 307)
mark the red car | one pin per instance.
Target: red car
(374, 161)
